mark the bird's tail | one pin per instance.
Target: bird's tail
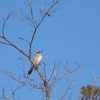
(30, 71)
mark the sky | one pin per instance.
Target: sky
(70, 34)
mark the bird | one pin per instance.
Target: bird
(36, 61)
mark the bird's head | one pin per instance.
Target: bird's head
(40, 51)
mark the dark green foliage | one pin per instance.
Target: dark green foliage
(90, 92)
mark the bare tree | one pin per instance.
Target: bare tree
(47, 83)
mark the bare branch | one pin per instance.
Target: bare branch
(57, 78)
(68, 73)
(70, 84)
(44, 69)
(4, 95)
(23, 39)
(29, 4)
(27, 18)
(6, 19)
(41, 75)
(35, 30)
(70, 95)
(13, 94)
(52, 71)
(23, 79)
(95, 80)
(16, 47)
(6, 41)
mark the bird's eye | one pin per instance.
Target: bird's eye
(38, 52)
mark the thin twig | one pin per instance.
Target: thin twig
(6, 19)
(53, 69)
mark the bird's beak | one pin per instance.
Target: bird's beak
(41, 50)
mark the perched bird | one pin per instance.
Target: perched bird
(36, 61)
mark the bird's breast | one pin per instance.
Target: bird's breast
(38, 60)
